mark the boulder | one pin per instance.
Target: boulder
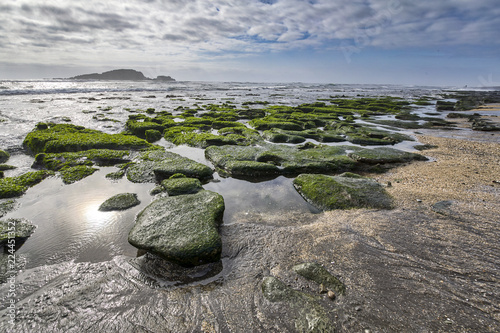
(182, 229)
(17, 229)
(181, 185)
(120, 201)
(4, 156)
(342, 192)
(384, 155)
(319, 274)
(158, 165)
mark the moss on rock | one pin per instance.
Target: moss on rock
(384, 155)
(181, 185)
(342, 192)
(319, 274)
(4, 156)
(17, 229)
(308, 315)
(11, 187)
(120, 201)
(57, 138)
(72, 174)
(182, 229)
(158, 165)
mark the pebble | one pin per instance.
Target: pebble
(322, 289)
(331, 295)
(419, 200)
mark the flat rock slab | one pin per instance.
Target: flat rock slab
(159, 165)
(182, 229)
(384, 155)
(342, 192)
(17, 229)
(120, 201)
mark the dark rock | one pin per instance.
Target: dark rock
(4, 156)
(342, 192)
(181, 229)
(17, 229)
(121, 201)
(182, 185)
(320, 275)
(118, 74)
(384, 155)
(309, 315)
(159, 165)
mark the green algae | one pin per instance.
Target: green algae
(319, 274)
(152, 135)
(4, 156)
(11, 187)
(120, 201)
(101, 157)
(268, 160)
(176, 185)
(384, 155)
(72, 174)
(342, 192)
(182, 229)
(307, 313)
(57, 138)
(17, 229)
(158, 165)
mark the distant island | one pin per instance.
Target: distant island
(120, 74)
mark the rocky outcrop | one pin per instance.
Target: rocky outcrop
(120, 201)
(181, 229)
(120, 75)
(342, 192)
(17, 229)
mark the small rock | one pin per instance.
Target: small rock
(322, 289)
(331, 295)
(419, 200)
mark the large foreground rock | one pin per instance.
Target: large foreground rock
(342, 192)
(181, 229)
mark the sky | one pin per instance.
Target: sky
(425, 42)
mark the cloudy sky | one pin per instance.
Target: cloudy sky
(445, 42)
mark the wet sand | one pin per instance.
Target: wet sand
(411, 269)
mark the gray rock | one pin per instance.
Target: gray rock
(384, 155)
(342, 192)
(4, 156)
(158, 165)
(120, 201)
(181, 229)
(320, 275)
(17, 229)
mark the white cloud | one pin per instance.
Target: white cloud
(184, 31)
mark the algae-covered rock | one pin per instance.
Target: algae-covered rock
(308, 314)
(120, 201)
(16, 229)
(275, 160)
(384, 155)
(57, 138)
(11, 187)
(4, 167)
(158, 165)
(181, 185)
(73, 174)
(7, 206)
(320, 275)
(342, 192)
(102, 157)
(182, 229)
(4, 156)
(153, 135)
